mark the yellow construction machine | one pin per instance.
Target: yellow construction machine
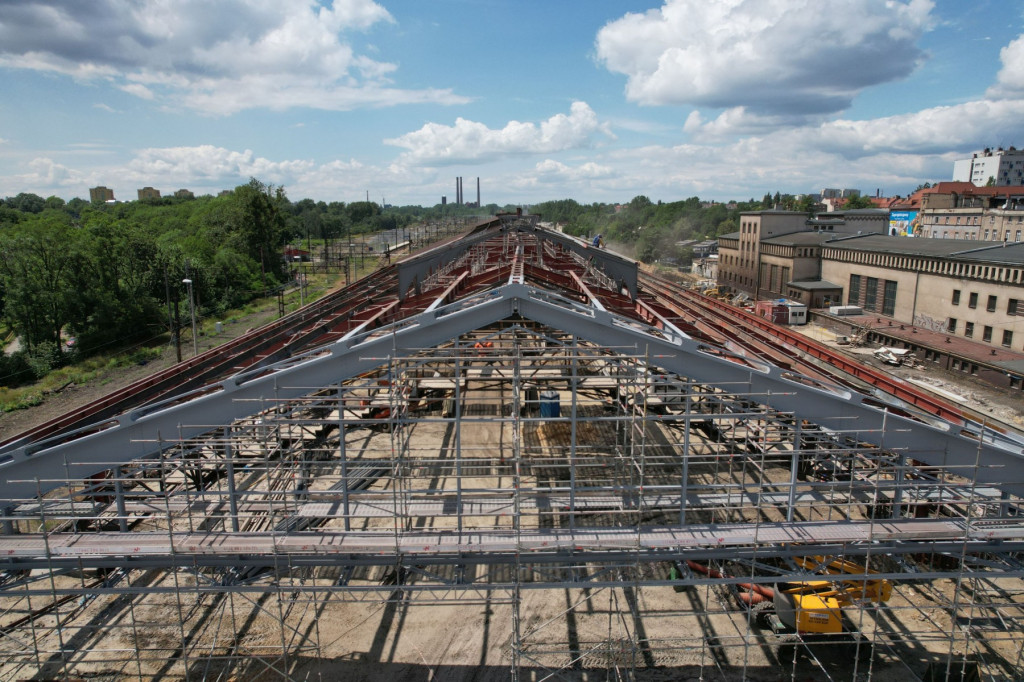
(806, 609)
(815, 607)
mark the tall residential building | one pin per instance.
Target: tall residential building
(100, 194)
(1000, 166)
(149, 193)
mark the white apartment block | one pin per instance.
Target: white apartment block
(1001, 166)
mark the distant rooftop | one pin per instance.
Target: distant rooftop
(915, 246)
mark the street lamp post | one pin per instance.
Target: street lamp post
(192, 310)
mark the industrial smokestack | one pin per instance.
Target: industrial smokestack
(478, 191)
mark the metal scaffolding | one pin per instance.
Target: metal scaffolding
(515, 484)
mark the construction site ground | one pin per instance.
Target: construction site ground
(654, 633)
(697, 633)
(1004, 405)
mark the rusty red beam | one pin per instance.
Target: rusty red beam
(864, 373)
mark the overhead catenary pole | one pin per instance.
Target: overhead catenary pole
(172, 320)
(192, 310)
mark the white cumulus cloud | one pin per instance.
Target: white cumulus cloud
(774, 57)
(1010, 79)
(435, 143)
(207, 164)
(967, 126)
(738, 121)
(558, 171)
(217, 58)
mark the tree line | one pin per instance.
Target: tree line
(660, 231)
(109, 274)
(653, 230)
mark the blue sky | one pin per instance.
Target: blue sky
(587, 99)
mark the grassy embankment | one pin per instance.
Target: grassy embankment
(102, 368)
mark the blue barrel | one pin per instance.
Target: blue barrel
(549, 404)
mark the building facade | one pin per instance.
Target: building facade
(956, 211)
(745, 266)
(957, 287)
(963, 287)
(101, 194)
(739, 261)
(998, 167)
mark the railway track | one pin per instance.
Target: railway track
(790, 349)
(373, 301)
(316, 323)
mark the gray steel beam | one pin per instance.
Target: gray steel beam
(624, 271)
(160, 549)
(142, 433)
(146, 431)
(992, 460)
(417, 268)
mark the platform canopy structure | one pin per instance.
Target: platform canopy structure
(518, 437)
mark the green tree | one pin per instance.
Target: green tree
(359, 212)
(806, 204)
(27, 202)
(38, 262)
(257, 226)
(55, 203)
(118, 298)
(859, 201)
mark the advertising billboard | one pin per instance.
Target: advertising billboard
(902, 223)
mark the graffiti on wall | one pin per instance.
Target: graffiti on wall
(929, 323)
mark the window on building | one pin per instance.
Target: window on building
(1018, 236)
(871, 294)
(951, 325)
(986, 235)
(853, 298)
(986, 334)
(956, 297)
(1007, 338)
(1011, 307)
(991, 307)
(889, 298)
(972, 302)
(969, 329)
